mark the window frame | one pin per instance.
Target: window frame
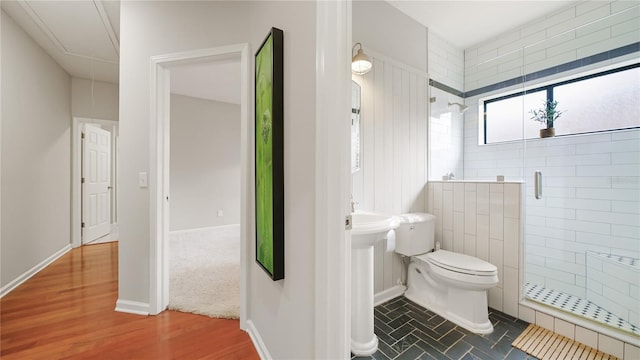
(549, 96)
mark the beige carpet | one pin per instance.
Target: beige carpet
(204, 272)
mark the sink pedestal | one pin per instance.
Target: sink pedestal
(363, 340)
(368, 229)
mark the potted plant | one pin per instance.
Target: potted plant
(547, 115)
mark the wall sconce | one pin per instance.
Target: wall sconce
(360, 63)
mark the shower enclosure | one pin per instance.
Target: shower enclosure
(579, 238)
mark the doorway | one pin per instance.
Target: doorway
(204, 224)
(94, 202)
(162, 67)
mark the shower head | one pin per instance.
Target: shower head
(462, 107)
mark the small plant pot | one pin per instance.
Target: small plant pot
(549, 132)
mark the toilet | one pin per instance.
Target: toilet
(449, 284)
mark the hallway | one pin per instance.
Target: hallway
(67, 311)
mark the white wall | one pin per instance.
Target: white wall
(384, 29)
(98, 100)
(205, 163)
(36, 154)
(283, 311)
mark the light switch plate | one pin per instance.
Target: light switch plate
(143, 180)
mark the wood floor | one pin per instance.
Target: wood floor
(67, 311)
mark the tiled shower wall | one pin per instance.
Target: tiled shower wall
(482, 219)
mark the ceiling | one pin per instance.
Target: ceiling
(84, 36)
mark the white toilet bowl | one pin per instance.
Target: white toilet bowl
(452, 285)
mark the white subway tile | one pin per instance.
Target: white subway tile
(470, 245)
(583, 204)
(587, 159)
(608, 194)
(482, 204)
(470, 212)
(585, 226)
(496, 215)
(625, 231)
(458, 232)
(609, 170)
(614, 242)
(458, 197)
(447, 240)
(586, 336)
(437, 195)
(607, 44)
(625, 158)
(511, 242)
(627, 135)
(611, 346)
(551, 233)
(482, 237)
(574, 181)
(558, 213)
(564, 328)
(544, 320)
(623, 145)
(495, 298)
(447, 210)
(631, 207)
(527, 314)
(631, 352)
(608, 217)
(625, 182)
(625, 27)
(438, 232)
(510, 291)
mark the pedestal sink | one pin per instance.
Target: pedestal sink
(367, 229)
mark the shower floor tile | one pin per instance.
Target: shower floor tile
(407, 331)
(578, 306)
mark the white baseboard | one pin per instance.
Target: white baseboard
(132, 307)
(257, 341)
(386, 295)
(207, 228)
(34, 270)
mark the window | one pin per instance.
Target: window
(608, 100)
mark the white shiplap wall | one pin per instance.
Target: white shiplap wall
(394, 151)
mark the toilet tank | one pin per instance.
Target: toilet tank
(415, 234)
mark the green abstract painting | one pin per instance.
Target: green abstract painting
(269, 182)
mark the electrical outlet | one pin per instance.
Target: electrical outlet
(220, 213)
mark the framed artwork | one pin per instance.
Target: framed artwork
(269, 155)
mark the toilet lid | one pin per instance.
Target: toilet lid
(460, 263)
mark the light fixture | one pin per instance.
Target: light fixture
(360, 63)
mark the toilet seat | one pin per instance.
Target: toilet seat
(459, 263)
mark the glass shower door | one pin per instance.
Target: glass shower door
(581, 232)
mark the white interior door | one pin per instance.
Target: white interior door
(96, 178)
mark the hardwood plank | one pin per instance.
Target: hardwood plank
(67, 311)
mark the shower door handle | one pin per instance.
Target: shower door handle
(537, 184)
